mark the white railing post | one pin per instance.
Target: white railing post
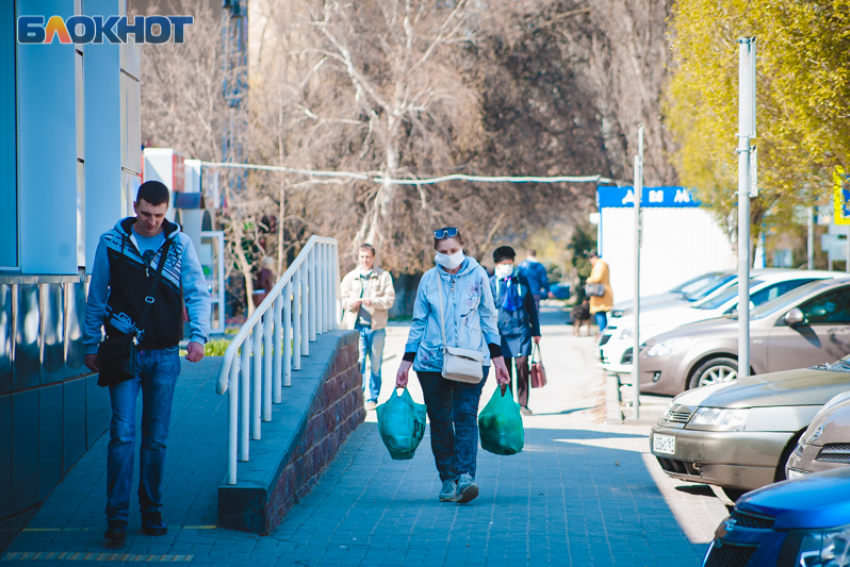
(267, 364)
(232, 421)
(257, 386)
(305, 306)
(277, 375)
(245, 399)
(287, 334)
(336, 302)
(320, 288)
(328, 287)
(314, 297)
(297, 335)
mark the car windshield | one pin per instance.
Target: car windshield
(709, 287)
(728, 294)
(783, 302)
(696, 283)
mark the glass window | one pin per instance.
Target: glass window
(774, 291)
(8, 142)
(832, 307)
(728, 294)
(783, 302)
(710, 287)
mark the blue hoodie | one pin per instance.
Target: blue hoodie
(119, 256)
(470, 315)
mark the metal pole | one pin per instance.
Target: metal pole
(267, 363)
(306, 294)
(257, 386)
(636, 345)
(847, 267)
(746, 121)
(810, 241)
(287, 334)
(245, 400)
(313, 295)
(277, 374)
(297, 335)
(232, 421)
(318, 256)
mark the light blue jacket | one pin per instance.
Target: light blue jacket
(470, 315)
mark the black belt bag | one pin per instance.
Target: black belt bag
(116, 356)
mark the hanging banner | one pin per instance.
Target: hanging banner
(841, 196)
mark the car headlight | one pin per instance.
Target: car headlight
(670, 346)
(719, 419)
(825, 549)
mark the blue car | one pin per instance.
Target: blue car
(797, 523)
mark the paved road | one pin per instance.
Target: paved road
(582, 493)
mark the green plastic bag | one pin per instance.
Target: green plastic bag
(500, 424)
(401, 422)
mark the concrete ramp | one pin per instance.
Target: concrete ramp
(318, 412)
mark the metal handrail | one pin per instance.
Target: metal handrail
(301, 305)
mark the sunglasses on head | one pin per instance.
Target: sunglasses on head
(447, 232)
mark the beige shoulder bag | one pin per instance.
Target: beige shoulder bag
(459, 364)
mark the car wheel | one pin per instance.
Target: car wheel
(734, 493)
(714, 371)
(786, 454)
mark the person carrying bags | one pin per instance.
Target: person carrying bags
(453, 340)
(519, 323)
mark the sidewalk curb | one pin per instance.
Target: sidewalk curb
(614, 416)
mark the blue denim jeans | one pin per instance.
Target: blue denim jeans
(156, 376)
(372, 346)
(601, 320)
(453, 412)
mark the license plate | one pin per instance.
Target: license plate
(794, 474)
(664, 444)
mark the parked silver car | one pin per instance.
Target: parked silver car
(825, 444)
(807, 326)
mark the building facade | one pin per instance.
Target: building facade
(70, 152)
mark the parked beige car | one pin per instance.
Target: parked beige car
(804, 327)
(739, 435)
(825, 445)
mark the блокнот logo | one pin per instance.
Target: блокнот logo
(97, 29)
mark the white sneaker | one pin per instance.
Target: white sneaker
(371, 406)
(449, 491)
(466, 488)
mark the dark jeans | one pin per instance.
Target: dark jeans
(453, 411)
(523, 379)
(156, 376)
(601, 320)
(371, 346)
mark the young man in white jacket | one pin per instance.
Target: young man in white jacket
(367, 294)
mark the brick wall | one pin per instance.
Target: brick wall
(336, 412)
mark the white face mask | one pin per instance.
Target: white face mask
(449, 262)
(504, 270)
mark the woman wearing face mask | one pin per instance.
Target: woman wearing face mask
(470, 323)
(519, 323)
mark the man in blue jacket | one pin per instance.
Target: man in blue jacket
(535, 272)
(125, 264)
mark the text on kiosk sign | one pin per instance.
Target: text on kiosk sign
(624, 197)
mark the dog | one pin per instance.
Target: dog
(580, 315)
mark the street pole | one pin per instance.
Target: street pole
(636, 346)
(746, 130)
(810, 241)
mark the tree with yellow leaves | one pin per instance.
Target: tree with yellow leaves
(803, 83)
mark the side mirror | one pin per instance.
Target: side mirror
(795, 318)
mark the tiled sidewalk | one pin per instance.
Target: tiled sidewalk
(580, 494)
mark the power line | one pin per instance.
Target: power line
(424, 181)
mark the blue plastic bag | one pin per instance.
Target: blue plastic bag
(401, 422)
(500, 424)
